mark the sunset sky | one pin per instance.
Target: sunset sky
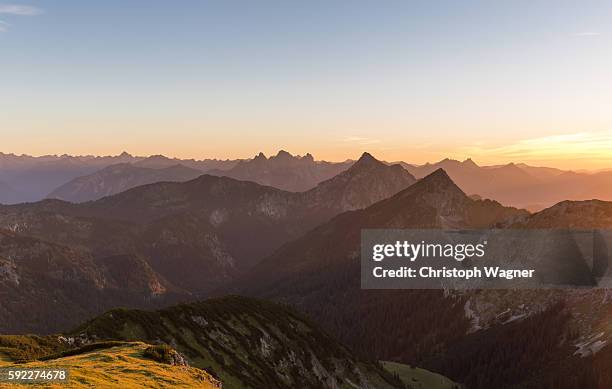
(498, 81)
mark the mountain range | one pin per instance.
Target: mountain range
(521, 185)
(166, 242)
(34, 178)
(284, 171)
(83, 178)
(180, 240)
(27, 179)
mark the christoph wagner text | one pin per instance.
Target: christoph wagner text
(414, 251)
(466, 274)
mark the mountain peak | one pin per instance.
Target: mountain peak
(260, 157)
(155, 161)
(433, 201)
(157, 157)
(283, 155)
(366, 155)
(438, 174)
(470, 162)
(438, 181)
(512, 168)
(367, 181)
(450, 162)
(366, 158)
(366, 161)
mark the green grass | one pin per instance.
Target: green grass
(416, 378)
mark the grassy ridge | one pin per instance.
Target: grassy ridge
(241, 342)
(121, 366)
(245, 343)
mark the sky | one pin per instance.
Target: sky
(497, 81)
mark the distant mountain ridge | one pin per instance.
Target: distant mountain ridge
(284, 171)
(521, 185)
(161, 161)
(33, 178)
(119, 178)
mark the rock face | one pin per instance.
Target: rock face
(8, 272)
(119, 178)
(246, 343)
(284, 171)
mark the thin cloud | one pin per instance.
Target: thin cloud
(587, 33)
(19, 10)
(361, 140)
(16, 10)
